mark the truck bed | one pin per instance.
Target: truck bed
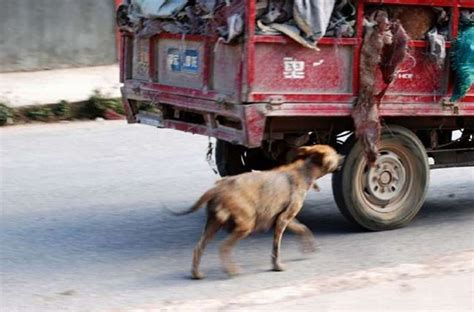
(229, 90)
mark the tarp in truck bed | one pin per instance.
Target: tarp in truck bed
(159, 8)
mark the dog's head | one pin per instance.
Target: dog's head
(323, 157)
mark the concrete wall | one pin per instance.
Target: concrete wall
(43, 34)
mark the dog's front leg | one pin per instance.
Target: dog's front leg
(282, 222)
(307, 238)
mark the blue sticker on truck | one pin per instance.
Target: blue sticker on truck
(185, 61)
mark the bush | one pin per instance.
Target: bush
(97, 105)
(39, 113)
(62, 110)
(115, 105)
(6, 114)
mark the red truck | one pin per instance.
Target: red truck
(266, 94)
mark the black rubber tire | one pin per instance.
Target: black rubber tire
(229, 158)
(353, 186)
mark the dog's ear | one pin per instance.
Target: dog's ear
(317, 159)
(332, 162)
(315, 154)
(322, 156)
(303, 151)
(307, 151)
(299, 153)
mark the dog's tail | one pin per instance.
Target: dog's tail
(201, 201)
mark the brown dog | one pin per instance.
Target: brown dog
(256, 201)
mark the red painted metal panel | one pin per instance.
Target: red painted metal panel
(291, 68)
(152, 59)
(359, 34)
(284, 40)
(455, 22)
(181, 100)
(387, 110)
(183, 38)
(418, 75)
(122, 58)
(423, 44)
(469, 98)
(193, 93)
(301, 98)
(254, 120)
(141, 59)
(250, 44)
(207, 61)
(414, 2)
(254, 124)
(226, 75)
(466, 3)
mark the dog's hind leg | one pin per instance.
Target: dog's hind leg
(240, 232)
(212, 226)
(307, 238)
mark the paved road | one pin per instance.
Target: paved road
(84, 228)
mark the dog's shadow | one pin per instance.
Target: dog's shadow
(326, 221)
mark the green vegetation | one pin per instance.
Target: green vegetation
(62, 110)
(6, 114)
(96, 106)
(38, 113)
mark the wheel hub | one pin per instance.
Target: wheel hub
(386, 178)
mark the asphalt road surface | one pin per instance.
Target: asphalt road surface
(85, 227)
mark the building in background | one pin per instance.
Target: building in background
(48, 34)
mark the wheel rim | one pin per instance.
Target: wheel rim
(385, 180)
(384, 187)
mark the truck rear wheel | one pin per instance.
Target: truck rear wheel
(229, 158)
(390, 194)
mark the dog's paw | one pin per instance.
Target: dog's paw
(233, 271)
(197, 275)
(278, 267)
(309, 247)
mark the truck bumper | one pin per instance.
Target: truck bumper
(235, 123)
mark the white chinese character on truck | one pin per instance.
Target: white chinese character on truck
(293, 69)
